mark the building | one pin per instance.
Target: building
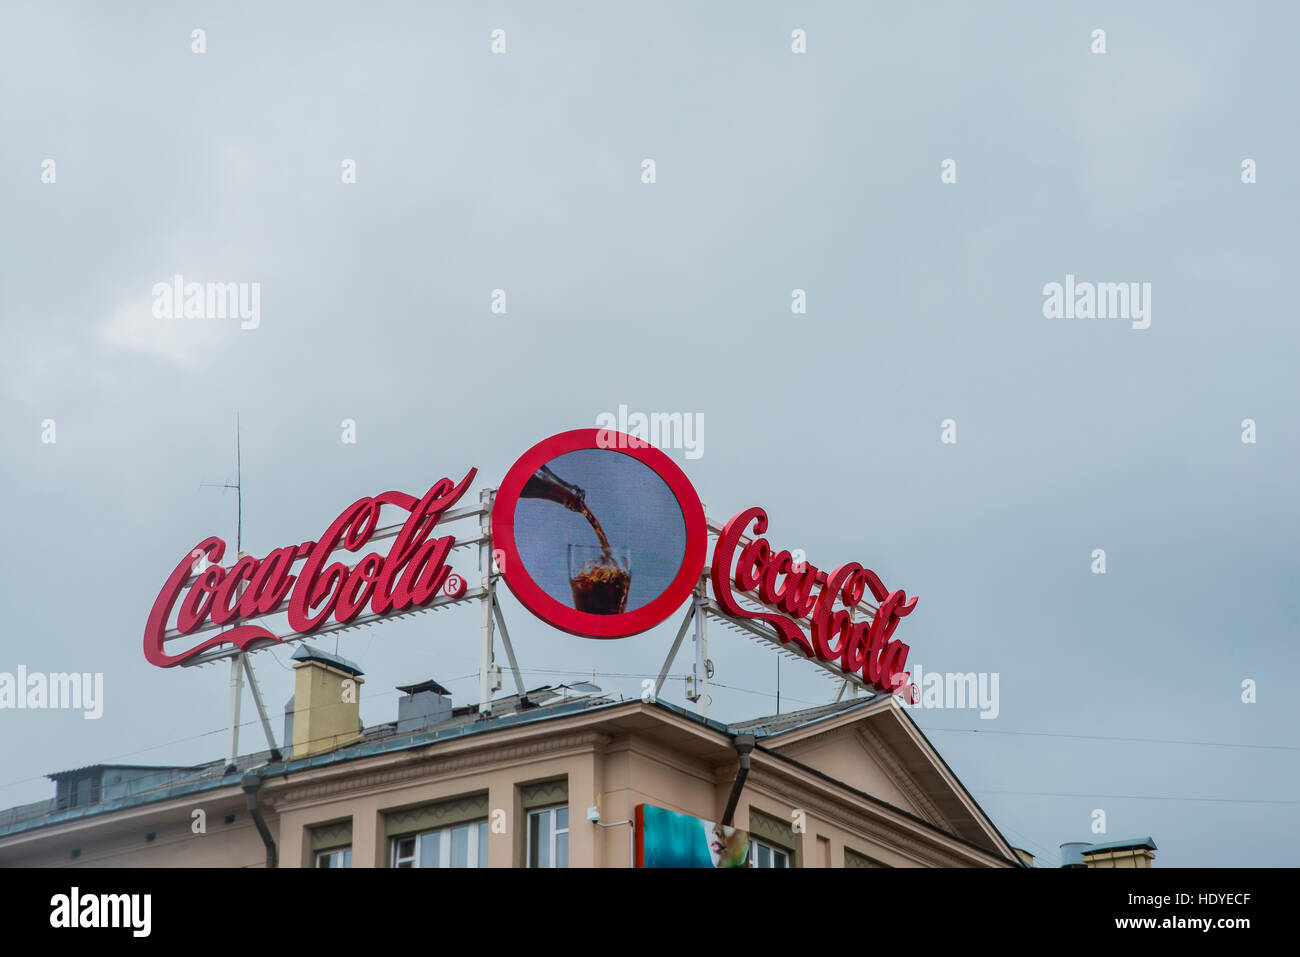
(554, 777)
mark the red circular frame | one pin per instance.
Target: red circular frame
(581, 623)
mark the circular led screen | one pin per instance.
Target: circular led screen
(599, 533)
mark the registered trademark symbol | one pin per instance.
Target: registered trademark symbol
(454, 586)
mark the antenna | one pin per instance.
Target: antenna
(239, 494)
(240, 666)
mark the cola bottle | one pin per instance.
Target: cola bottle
(546, 484)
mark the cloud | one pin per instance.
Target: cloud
(181, 342)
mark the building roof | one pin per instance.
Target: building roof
(539, 704)
(1131, 843)
(779, 723)
(777, 732)
(95, 768)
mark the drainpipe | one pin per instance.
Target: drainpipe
(252, 783)
(744, 744)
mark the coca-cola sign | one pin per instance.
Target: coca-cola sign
(411, 575)
(801, 592)
(598, 534)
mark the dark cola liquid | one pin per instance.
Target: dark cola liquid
(600, 587)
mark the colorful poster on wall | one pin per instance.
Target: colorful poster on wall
(667, 839)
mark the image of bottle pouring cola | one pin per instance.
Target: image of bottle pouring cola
(599, 581)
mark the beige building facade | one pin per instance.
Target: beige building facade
(552, 778)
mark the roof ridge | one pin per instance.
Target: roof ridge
(792, 719)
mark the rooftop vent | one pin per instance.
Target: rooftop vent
(422, 706)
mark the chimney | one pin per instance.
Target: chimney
(1134, 852)
(422, 706)
(326, 702)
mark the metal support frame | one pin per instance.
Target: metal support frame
(697, 690)
(703, 607)
(505, 640)
(241, 667)
(236, 698)
(261, 709)
(758, 629)
(489, 677)
(703, 665)
(672, 652)
(486, 667)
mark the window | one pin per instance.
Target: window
(71, 792)
(339, 857)
(546, 832)
(762, 854)
(459, 845)
(331, 844)
(548, 837)
(449, 833)
(771, 841)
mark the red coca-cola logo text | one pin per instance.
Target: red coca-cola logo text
(857, 647)
(411, 575)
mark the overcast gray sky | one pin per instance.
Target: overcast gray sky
(775, 171)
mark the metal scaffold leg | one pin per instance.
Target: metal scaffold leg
(261, 709)
(505, 640)
(691, 612)
(487, 665)
(236, 696)
(699, 685)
